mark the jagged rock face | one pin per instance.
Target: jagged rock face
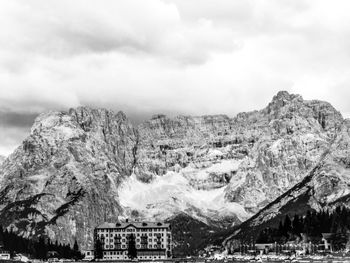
(84, 166)
(72, 163)
(286, 139)
(169, 144)
(325, 187)
(264, 152)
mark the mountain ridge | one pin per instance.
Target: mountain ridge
(215, 169)
(325, 187)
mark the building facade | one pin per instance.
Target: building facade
(88, 254)
(152, 240)
(5, 255)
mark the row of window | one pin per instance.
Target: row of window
(133, 230)
(141, 253)
(137, 240)
(137, 246)
(126, 257)
(123, 235)
(151, 253)
(115, 252)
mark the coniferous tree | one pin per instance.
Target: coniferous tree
(296, 225)
(32, 248)
(287, 226)
(98, 249)
(36, 248)
(76, 251)
(41, 249)
(280, 229)
(1, 237)
(313, 224)
(132, 252)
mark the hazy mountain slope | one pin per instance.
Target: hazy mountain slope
(85, 166)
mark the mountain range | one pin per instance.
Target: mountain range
(80, 167)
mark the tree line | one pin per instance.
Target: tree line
(39, 249)
(311, 225)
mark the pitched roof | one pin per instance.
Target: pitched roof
(135, 224)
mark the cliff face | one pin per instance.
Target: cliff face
(247, 161)
(84, 166)
(326, 186)
(285, 141)
(63, 179)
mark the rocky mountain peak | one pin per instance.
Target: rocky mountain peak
(66, 173)
(297, 114)
(325, 186)
(284, 102)
(158, 116)
(85, 166)
(286, 96)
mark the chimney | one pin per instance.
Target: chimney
(127, 220)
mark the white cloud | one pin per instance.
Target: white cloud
(57, 28)
(173, 56)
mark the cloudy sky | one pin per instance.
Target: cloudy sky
(176, 57)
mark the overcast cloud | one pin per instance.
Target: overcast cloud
(175, 57)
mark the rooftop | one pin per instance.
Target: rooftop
(135, 224)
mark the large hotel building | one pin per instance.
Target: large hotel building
(152, 239)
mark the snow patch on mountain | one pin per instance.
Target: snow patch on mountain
(172, 193)
(217, 169)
